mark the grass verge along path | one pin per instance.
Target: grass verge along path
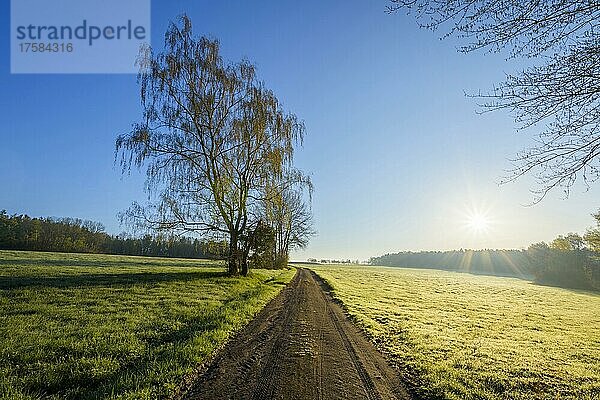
(80, 326)
(477, 337)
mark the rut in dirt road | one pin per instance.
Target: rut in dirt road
(301, 346)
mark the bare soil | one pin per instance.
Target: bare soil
(300, 346)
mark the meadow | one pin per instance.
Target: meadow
(462, 336)
(75, 326)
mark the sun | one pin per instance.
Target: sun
(478, 222)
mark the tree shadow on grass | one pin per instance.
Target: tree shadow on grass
(574, 288)
(107, 262)
(106, 280)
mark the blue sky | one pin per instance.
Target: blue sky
(397, 153)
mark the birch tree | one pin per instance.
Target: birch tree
(211, 137)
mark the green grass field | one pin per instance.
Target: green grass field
(94, 326)
(477, 337)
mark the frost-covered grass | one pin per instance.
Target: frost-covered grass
(477, 337)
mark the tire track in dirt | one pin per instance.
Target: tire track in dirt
(300, 346)
(264, 387)
(372, 393)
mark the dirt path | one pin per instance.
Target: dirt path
(301, 346)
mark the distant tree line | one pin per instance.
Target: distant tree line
(22, 232)
(488, 262)
(571, 260)
(333, 261)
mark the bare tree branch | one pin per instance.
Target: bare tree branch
(558, 98)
